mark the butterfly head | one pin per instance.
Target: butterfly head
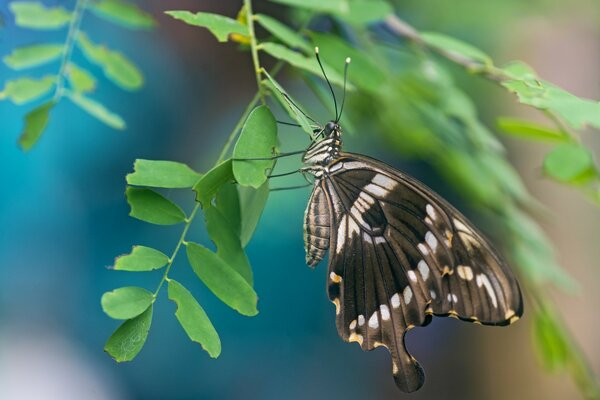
(322, 152)
(332, 130)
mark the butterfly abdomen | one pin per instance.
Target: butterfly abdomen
(316, 227)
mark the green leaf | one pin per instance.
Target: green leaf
(97, 110)
(208, 186)
(227, 240)
(252, 204)
(366, 11)
(228, 203)
(149, 206)
(126, 302)
(576, 111)
(283, 33)
(34, 15)
(194, 320)
(550, 341)
(129, 338)
(257, 140)
(24, 90)
(530, 130)
(328, 6)
(520, 71)
(141, 258)
(229, 286)
(455, 46)
(81, 80)
(115, 65)
(32, 56)
(163, 174)
(296, 59)
(219, 25)
(123, 13)
(35, 123)
(569, 162)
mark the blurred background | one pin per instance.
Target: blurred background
(63, 219)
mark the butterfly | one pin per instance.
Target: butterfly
(399, 254)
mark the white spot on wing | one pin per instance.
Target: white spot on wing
(361, 320)
(465, 272)
(335, 167)
(353, 228)
(353, 325)
(341, 235)
(335, 277)
(379, 239)
(407, 293)
(375, 190)
(385, 312)
(411, 275)
(423, 249)
(460, 226)
(423, 269)
(431, 240)
(395, 300)
(384, 181)
(430, 211)
(483, 280)
(433, 294)
(374, 321)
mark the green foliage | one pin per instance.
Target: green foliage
(530, 130)
(141, 258)
(162, 174)
(123, 13)
(24, 90)
(208, 186)
(34, 15)
(570, 162)
(81, 80)
(220, 26)
(97, 110)
(126, 302)
(129, 338)
(283, 33)
(35, 123)
(150, 206)
(32, 56)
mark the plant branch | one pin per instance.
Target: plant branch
(254, 49)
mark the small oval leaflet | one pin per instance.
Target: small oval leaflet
(129, 338)
(152, 207)
(126, 302)
(163, 174)
(141, 258)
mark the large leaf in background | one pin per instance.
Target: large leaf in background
(570, 162)
(24, 90)
(258, 139)
(116, 66)
(219, 25)
(149, 206)
(35, 123)
(124, 13)
(129, 338)
(553, 347)
(328, 6)
(252, 204)
(207, 187)
(126, 302)
(456, 47)
(194, 320)
(33, 55)
(97, 110)
(229, 286)
(163, 174)
(283, 33)
(366, 11)
(81, 80)
(530, 130)
(141, 258)
(35, 15)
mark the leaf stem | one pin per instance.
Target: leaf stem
(253, 48)
(80, 7)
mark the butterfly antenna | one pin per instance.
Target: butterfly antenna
(344, 95)
(328, 83)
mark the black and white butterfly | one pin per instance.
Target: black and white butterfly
(398, 255)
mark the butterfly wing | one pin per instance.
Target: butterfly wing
(399, 254)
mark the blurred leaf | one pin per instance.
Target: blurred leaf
(81, 80)
(97, 110)
(530, 130)
(229, 286)
(330, 6)
(194, 320)
(32, 56)
(455, 46)
(126, 302)
(252, 204)
(149, 206)
(35, 15)
(242, 18)
(283, 33)
(551, 343)
(568, 162)
(208, 186)
(366, 11)
(141, 258)
(35, 123)
(116, 66)
(227, 240)
(258, 139)
(163, 174)
(129, 338)
(228, 203)
(520, 71)
(305, 63)
(24, 90)
(219, 25)
(123, 13)
(576, 111)
(285, 101)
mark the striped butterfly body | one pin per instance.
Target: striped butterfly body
(398, 255)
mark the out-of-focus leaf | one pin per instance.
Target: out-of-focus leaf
(208, 186)
(123, 13)
(126, 302)
(129, 338)
(35, 123)
(32, 56)
(298, 60)
(149, 206)
(35, 15)
(24, 90)
(285, 100)
(141, 258)
(81, 80)
(329, 6)
(194, 320)
(227, 240)
(116, 66)
(219, 25)
(551, 343)
(283, 33)
(456, 46)
(569, 162)
(576, 111)
(257, 140)
(530, 130)
(163, 174)
(520, 71)
(97, 110)
(252, 204)
(366, 11)
(229, 286)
